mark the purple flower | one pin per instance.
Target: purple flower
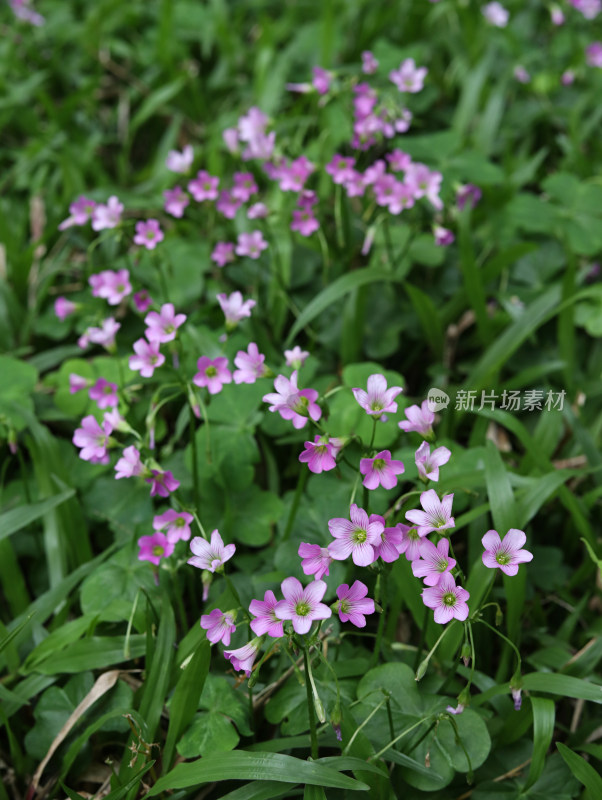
(212, 373)
(142, 301)
(428, 463)
(567, 78)
(244, 657)
(521, 74)
(496, 14)
(447, 599)
(63, 308)
(320, 455)
(434, 562)
(227, 204)
(557, 15)
(162, 326)
(147, 358)
(180, 162)
(93, 438)
(422, 182)
(436, 515)
(257, 211)
(104, 393)
(223, 253)
(356, 538)
(353, 604)
(419, 419)
(369, 63)
(505, 554)
(129, 464)
(293, 177)
(398, 160)
(589, 8)
(219, 626)
(443, 236)
(211, 556)
(250, 365)
(516, 697)
(250, 244)
(378, 399)
(296, 357)
(104, 336)
(176, 201)
(468, 193)
(230, 137)
(381, 470)
(266, 620)
(390, 545)
(77, 383)
(457, 710)
(316, 560)
(204, 186)
(244, 186)
(176, 525)
(300, 605)
(154, 548)
(162, 483)
(148, 234)
(112, 286)
(304, 222)
(340, 168)
(292, 403)
(80, 212)
(408, 78)
(234, 308)
(107, 216)
(321, 80)
(252, 130)
(593, 54)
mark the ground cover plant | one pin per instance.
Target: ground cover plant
(300, 404)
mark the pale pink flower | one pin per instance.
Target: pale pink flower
(162, 327)
(265, 619)
(378, 399)
(443, 236)
(424, 182)
(148, 234)
(176, 201)
(142, 301)
(234, 308)
(292, 403)
(244, 657)
(77, 383)
(176, 525)
(419, 419)
(104, 336)
(104, 393)
(521, 74)
(568, 77)
(223, 253)
(162, 483)
(593, 54)
(410, 542)
(293, 177)
(436, 515)
(409, 77)
(219, 626)
(428, 463)
(63, 308)
(369, 63)
(457, 710)
(210, 555)
(93, 439)
(316, 560)
(296, 357)
(398, 160)
(250, 365)
(204, 186)
(304, 222)
(111, 286)
(496, 14)
(107, 216)
(230, 137)
(434, 562)
(147, 358)
(390, 545)
(355, 537)
(381, 470)
(589, 8)
(251, 244)
(557, 15)
(320, 455)
(129, 464)
(212, 373)
(80, 212)
(244, 186)
(353, 604)
(374, 172)
(340, 168)
(447, 599)
(505, 554)
(257, 211)
(154, 548)
(321, 80)
(302, 605)
(468, 193)
(180, 162)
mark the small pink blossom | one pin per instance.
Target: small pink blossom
(424, 182)
(223, 253)
(568, 77)
(296, 357)
(180, 162)
(147, 358)
(63, 308)
(390, 545)
(593, 54)
(320, 455)
(398, 160)
(104, 393)
(107, 216)
(230, 137)
(428, 463)
(104, 336)
(408, 78)
(244, 657)
(521, 74)
(293, 177)
(77, 383)
(251, 244)
(227, 204)
(302, 605)
(219, 626)
(79, 213)
(176, 525)
(468, 193)
(204, 186)
(457, 710)
(355, 537)
(154, 548)
(381, 470)
(434, 562)
(304, 222)
(257, 211)
(447, 599)
(211, 556)
(316, 560)
(252, 130)
(111, 286)
(353, 604)
(496, 14)
(378, 399)
(443, 236)
(505, 554)
(142, 301)
(557, 15)
(93, 439)
(244, 186)
(369, 63)
(162, 483)
(321, 80)
(176, 201)
(436, 515)
(410, 542)
(129, 464)
(292, 403)
(250, 365)
(163, 326)
(148, 234)
(340, 168)
(265, 619)
(589, 8)
(419, 419)
(212, 373)
(234, 308)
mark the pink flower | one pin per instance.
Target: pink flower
(443, 236)
(302, 606)
(154, 548)
(369, 63)
(176, 201)
(447, 599)
(227, 204)
(468, 193)
(460, 707)
(567, 77)
(79, 213)
(434, 562)
(230, 137)
(162, 327)
(162, 483)
(398, 160)
(219, 626)
(204, 186)
(353, 604)
(93, 438)
(521, 74)
(111, 286)
(129, 464)
(223, 253)
(77, 383)
(320, 455)
(22, 10)
(257, 211)
(307, 199)
(250, 365)
(212, 373)
(180, 162)
(424, 183)
(391, 544)
(265, 619)
(354, 185)
(557, 15)
(589, 8)
(316, 560)
(176, 524)
(142, 300)
(593, 54)
(340, 168)
(419, 419)
(252, 130)
(244, 657)
(148, 234)
(436, 515)
(378, 399)
(233, 307)
(381, 470)
(496, 14)
(296, 357)
(104, 393)
(408, 78)
(321, 80)
(292, 403)
(107, 216)
(211, 556)
(356, 538)
(293, 177)
(244, 186)
(428, 463)
(251, 244)
(505, 554)
(63, 308)
(147, 358)
(104, 336)
(304, 222)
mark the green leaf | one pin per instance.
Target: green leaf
(154, 102)
(258, 790)
(562, 685)
(210, 732)
(544, 716)
(18, 518)
(18, 382)
(582, 770)
(96, 652)
(244, 766)
(429, 318)
(159, 671)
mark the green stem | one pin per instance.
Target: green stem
(506, 639)
(383, 598)
(295, 505)
(195, 463)
(358, 729)
(423, 666)
(397, 738)
(310, 708)
(422, 638)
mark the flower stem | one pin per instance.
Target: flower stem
(310, 707)
(384, 601)
(295, 505)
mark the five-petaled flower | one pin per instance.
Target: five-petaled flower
(316, 560)
(212, 373)
(378, 399)
(353, 604)
(302, 606)
(154, 548)
(434, 562)
(265, 619)
(219, 626)
(320, 455)
(419, 419)
(505, 554)
(428, 463)
(293, 403)
(175, 524)
(436, 515)
(381, 470)
(447, 600)
(210, 555)
(356, 537)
